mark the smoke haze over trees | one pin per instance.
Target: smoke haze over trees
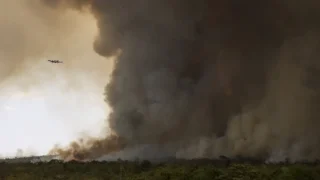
(206, 78)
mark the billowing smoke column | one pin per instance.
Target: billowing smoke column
(207, 78)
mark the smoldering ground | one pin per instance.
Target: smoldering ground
(207, 78)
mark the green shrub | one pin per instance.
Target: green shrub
(145, 170)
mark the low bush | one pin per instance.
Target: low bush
(145, 170)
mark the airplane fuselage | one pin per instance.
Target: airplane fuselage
(55, 61)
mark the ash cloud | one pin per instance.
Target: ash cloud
(207, 78)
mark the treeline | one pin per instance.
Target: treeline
(145, 170)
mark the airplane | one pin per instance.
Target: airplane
(55, 61)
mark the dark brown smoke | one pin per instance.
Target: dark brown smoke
(198, 76)
(79, 150)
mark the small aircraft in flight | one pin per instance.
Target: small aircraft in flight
(55, 61)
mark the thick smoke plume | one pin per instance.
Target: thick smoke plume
(208, 78)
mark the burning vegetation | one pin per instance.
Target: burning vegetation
(205, 78)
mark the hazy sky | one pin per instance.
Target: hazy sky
(41, 103)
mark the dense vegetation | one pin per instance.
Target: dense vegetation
(144, 170)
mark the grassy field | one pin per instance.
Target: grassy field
(144, 170)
